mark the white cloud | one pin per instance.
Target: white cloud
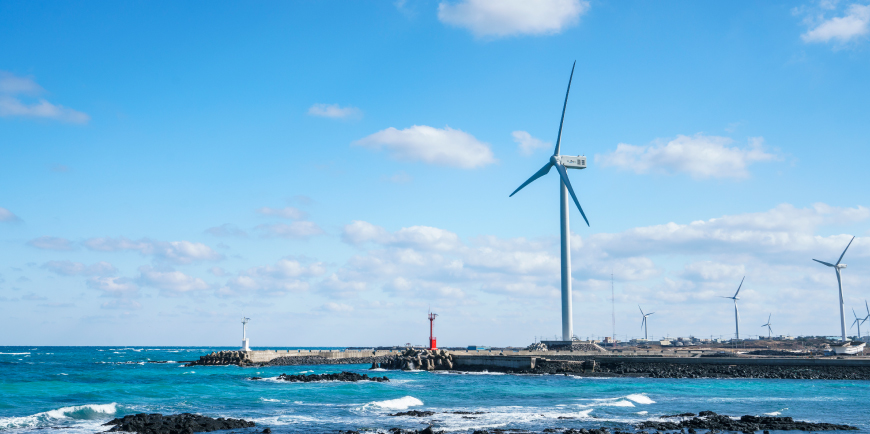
(417, 237)
(178, 252)
(8, 216)
(294, 230)
(287, 275)
(443, 147)
(337, 287)
(12, 88)
(499, 18)
(114, 286)
(287, 213)
(334, 111)
(528, 144)
(337, 307)
(69, 268)
(170, 280)
(51, 243)
(855, 23)
(699, 156)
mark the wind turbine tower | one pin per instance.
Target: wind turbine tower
(736, 313)
(643, 323)
(245, 346)
(837, 267)
(769, 330)
(562, 162)
(858, 322)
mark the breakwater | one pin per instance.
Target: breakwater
(686, 364)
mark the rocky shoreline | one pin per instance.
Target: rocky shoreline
(620, 368)
(341, 376)
(185, 423)
(690, 424)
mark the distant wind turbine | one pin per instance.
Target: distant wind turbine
(562, 162)
(837, 267)
(643, 323)
(858, 322)
(769, 330)
(736, 313)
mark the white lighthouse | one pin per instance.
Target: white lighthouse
(245, 345)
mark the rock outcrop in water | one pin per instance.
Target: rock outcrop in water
(185, 423)
(341, 376)
(425, 360)
(220, 358)
(711, 421)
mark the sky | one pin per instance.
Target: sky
(334, 170)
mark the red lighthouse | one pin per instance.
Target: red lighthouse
(432, 345)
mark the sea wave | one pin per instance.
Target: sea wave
(397, 404)
(78, 412)
(640, 398)
(15, 354)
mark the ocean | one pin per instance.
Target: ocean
(77, 389)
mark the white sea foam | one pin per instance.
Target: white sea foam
(773, 413)
(620, 403)
(269, 400)
(397, 404)
(15, 354)
(62, 373)
(642, 412)
(640, 398)
(78, 412)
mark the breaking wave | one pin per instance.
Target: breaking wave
(397, 404)
(78, 412)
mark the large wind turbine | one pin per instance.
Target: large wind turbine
(837, 267)
(562, 162)
(769, 330)
(736, 313)
(643, 323)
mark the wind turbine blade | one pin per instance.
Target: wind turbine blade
(825, 263)
(650, 313)
(853, 313)
(741, 286)
(564, 106)
(567, 182)
(868, 308)
(544, 170)
(844, 251)
(641, 310)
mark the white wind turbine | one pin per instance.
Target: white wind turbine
(643, 323)
(769, 330)
(562, 162)
(858, 322)
(736, 313)
(837, 267)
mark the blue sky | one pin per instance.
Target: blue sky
(334, 169)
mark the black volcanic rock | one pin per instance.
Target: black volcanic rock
(185, 423)
(341, 376)
(414, 413)
(712, 421)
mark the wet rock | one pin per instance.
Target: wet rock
(267, 431)
(156, 423)
(414, 413)
(716, 422)
(341, 376)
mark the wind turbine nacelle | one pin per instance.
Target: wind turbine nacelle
(572, 162)
(841, 266)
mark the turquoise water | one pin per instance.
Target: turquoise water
(79, 388)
